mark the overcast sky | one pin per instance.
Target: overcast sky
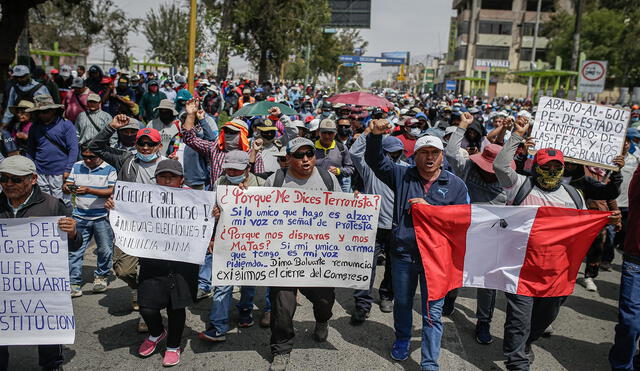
(418, 26)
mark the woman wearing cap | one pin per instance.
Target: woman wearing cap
(20, 127)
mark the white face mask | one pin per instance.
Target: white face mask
(415, 131)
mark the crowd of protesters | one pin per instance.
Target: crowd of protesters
(75, 133)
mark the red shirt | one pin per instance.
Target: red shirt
(408, 144)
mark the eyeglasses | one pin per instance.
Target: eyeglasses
(300, 155)
(147, 144)
(13, 179)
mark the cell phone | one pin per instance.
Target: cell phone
(73, 188)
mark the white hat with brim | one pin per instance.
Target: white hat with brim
(23, 104)
(168, 105)
(428, 141)
(18, 166)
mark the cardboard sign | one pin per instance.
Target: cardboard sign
(587, 134)
(35, 293)
(294, 237)
(151, 221)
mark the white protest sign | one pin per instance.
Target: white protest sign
(151, 221)
(592, 77)
(35, 293)
(294, 237)
(586, 133)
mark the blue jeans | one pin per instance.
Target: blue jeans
(204, 277)
(406, 272)
(222, 298)
(101, 230)
(621, 356)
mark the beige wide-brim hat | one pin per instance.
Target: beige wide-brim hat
(43, 103)
(24, 104)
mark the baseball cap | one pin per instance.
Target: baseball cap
(295, 143)
(20, 70)
(546, 155)
(93, 98)
(17, 165)
(328, 125)
(169, 166)
(78, 82)
(267, 125)
(428, 141)
(313, 125)
(153, 134)
(392, 144)
(236, 159)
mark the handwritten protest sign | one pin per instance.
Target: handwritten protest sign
(586, 133)
(294, 237)
(35, 299)
(151, 221)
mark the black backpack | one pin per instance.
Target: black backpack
(282, 173)
(528, 185)
(26, 95)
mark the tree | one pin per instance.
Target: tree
(49, 23)
(608, 32)
(266, 32)
(116, 36)
(167, 31)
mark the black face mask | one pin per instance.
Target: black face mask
(344, 131)
(165, 116)
(268, 135)
(127, 140)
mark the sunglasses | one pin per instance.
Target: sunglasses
(300, 155)
(147, 144)
(91, 157)
(13, 179)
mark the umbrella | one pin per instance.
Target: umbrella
(262, 109)
(361, 98)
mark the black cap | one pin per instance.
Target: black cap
(169, 166)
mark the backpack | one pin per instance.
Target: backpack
(26, 95)
(528, 185)
(282, 173)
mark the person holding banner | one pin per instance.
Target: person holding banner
(21, 197)
(136, 167)
(301, 173)
(236, 171)
(426, 182)
(165, 284)
(529, 317)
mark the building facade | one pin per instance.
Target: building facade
(495, 37)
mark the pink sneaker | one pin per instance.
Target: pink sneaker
(148, 347)
(171, 358)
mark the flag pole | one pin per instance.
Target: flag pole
(192, 46)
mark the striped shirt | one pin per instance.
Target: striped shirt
(103, 176)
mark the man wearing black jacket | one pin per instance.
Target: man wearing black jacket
(22, 198)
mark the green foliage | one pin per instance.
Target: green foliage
(607, 33)
(50, 22)
(115, 36)
(167, 31)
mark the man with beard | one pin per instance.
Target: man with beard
(24, 89)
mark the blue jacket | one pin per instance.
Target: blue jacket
(49, 159)
(406, 183)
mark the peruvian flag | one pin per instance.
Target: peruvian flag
(527, 250)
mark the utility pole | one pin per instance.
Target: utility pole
(533, 49)
(192, 46)
(575, 53)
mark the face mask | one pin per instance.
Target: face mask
(415, 131)
(146, 158)
(635, 119)
(548, 179)
(165, 116)
(344, 131)
(231, 142)
(235, 179)
(268, 136)
(326, 114)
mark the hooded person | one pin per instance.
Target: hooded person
(472, 140)
(150, 100)
(94, 79)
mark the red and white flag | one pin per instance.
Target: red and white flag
(527, 250)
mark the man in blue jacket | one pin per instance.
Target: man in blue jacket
(425, 183)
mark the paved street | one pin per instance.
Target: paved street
(106, 336)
